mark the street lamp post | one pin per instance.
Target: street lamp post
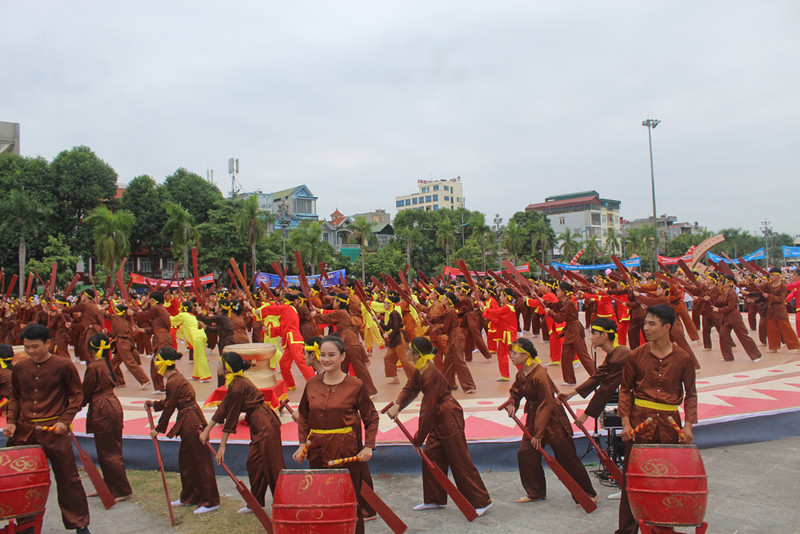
(766, 229)
(651, 124)
(498, 227)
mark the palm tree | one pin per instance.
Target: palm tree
(513, 240)
(362, 234)
(592, 248)
(445, 235)
(306, 239)
(612, 241)
(250, 225)
(111, 231)
(407, 234)
(540, 236)
(569, 243)
(477, 221)
(180, 230)
(22, 213)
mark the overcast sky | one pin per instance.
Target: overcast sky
(358, 100)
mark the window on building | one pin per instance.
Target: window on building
(561, 220)
(596, 219)
(414, 201)
(435, 187)
(436, 207)
(303, 205)
(146, 265)
(611, 218)
(446, 198)
(399, 204)
(446, 187)
(427, 198)
(408, 202)
(436, 197)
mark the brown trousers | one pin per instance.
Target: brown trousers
(777, 330)
(726, 342)
(196, 466)
(393, 355)
(474, 339)
(531, 473)
(264, 464)
(452, 453)
(454, 364)
(708, 324)
(568, 352)
(124, 354)
(109, 456)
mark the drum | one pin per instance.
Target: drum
(24, 481)
(667, 484)
(259, 355)
(314, 501)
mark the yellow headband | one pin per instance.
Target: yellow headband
(3, 364)
(422, 361)
(104, 345)
(531, 360)
(230, 375)
(312, 348)
(62, 302)
(345, 300)
(162, 365)
(615, 343)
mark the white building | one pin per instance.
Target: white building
(433, 195)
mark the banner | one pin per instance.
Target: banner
(450, 271)
(161, 283)
(666, 260)
(704, 247)
(634, 262)
(791, 252)
(757, 255)
(273, 280)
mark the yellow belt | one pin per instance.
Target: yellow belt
(45, 420)
(655, 405)
(343, 430)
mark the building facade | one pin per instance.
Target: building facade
(583, 213)
(668, 228)
(433, 195)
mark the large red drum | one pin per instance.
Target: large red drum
(314, 501)
(667, 484)
(24, 481)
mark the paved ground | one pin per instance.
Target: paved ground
(753, 489)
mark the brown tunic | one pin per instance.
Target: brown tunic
(605, 381)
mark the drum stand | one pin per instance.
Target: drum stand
(22, 523)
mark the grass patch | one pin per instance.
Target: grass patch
(148, 492)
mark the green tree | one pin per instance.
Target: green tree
(363, 235)
(569, 244)
(192, 192)
(145, 199)
(57, 251)
(21, 214)
(218, 246)
(592, 249)
(111, 232)
(542, 237)
(307, 238)
(81, 182)
(250, 225)
(513, 240)
(180, 229)
(479, 230)
(612, 241)
(445, 235)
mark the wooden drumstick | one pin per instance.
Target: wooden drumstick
(46, 428)
(340, 461)
(678, 429)
(640, 427)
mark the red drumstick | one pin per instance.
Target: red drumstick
(678, 429)
(340, 461)
(46, 428)
(640, 427)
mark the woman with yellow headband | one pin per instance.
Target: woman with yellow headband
(59, 326)
(547, 422)
(449, 326)
(441, 429)
(265, 456)
(566, 311)
(196, 467)
(186, 322)
(121, 329)
(311, 351)
(331, 413)
(606, 380)
(104, 418)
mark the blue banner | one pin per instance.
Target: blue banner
(635, 262)
(759, 254)
(273, 280)
(791, 252)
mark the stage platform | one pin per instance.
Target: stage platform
(739, 402)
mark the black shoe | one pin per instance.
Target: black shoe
(82, 530)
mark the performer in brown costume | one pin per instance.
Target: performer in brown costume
(454, 364)
(396, 341)
(59, 327)
(441, 429)
(47, 391)
(727, 305)
(91, 321)
(333, 407)
(546, 420)
(565, 310)
(471, 323)
(124, 347)
(657, 378)
(265, 456)
(104, 419)
(778, 326)
(159, 319)
(198, 484)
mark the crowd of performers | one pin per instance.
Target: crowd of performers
(430, 333)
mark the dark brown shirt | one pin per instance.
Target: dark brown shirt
(180, 396)
(440, 414)
(105, 411)
(546, 418)
(244, 397)
(605, 381)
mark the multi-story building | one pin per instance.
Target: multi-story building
(584, 213)
(433, 195)
(289, 206)
(337, 231)
(668, 228)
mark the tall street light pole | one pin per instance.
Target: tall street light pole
(651, 124)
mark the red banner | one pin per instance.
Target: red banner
(450, 271)
(161, 283)
(666, 260)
